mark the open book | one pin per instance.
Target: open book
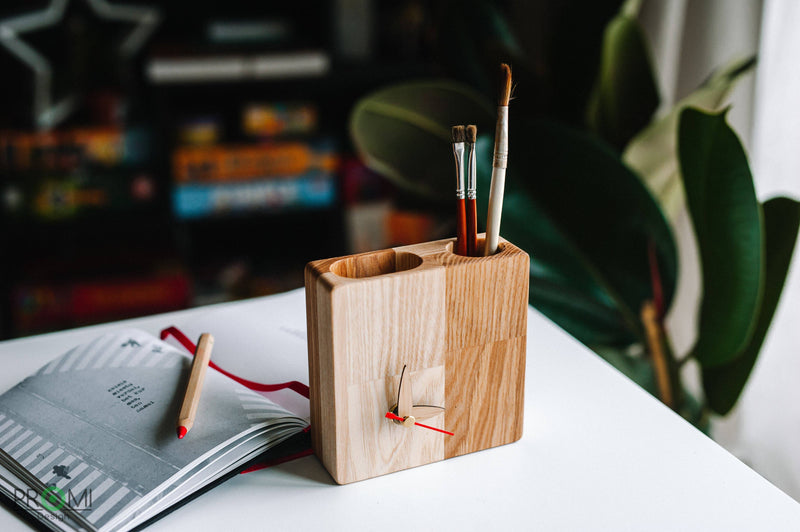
(88, 442)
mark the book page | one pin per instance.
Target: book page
(103, 418)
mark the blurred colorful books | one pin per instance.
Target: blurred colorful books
(226, 179)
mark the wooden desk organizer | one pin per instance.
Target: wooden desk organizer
(457, 323)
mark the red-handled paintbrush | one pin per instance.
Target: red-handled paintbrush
(472, 184)
(461, 212)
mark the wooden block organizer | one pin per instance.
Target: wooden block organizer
(458, 326)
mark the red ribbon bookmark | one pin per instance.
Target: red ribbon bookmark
(298, 387)
(389, 415)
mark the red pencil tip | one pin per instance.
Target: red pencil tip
(182, 432)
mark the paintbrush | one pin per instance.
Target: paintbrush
(461, 213)
(498, 164)
(472, 183)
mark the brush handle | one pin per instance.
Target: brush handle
(498, 186)
(495, 211)
(472, 215)
(472, 228)
(461, 227)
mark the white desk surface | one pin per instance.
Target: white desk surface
(598, 453)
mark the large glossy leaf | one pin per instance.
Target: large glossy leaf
(586, 221)
(640, 370)
(727, 222)
(653, 153)
(571, 37)
(582, 215)
(474, 39)
(599, 207)
(636, 368)
(563, 286)
(724, 384)
(403, 132)
(625, 95)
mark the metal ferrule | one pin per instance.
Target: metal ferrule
(458, 153)
(501, 138)
(472, 176)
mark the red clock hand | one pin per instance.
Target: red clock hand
(389, 415)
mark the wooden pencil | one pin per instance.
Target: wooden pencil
(195, 386)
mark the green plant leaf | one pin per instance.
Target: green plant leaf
(727, 223)
(568, 63)
(692, 410)
(403, 132)
(583, 216)
(561, 287)
(653, 153)
(601, 207)
(474, 39)
(576, 208)
(636, 368)
(723, 385)
(625, 95)
(640, 370)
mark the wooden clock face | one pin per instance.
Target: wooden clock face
(405, 407)
(404, 412)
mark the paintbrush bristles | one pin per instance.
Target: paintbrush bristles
(458, 133)
(505, 84)
(472, 134)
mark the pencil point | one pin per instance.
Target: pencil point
(182, 432)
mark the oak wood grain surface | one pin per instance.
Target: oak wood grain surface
(456, 323)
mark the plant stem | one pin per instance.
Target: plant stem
(663, 361)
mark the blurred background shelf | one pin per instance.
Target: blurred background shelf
(190, 152)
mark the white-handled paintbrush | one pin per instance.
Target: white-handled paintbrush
(498, 165)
